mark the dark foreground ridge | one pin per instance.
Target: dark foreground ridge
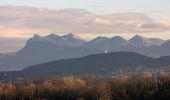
(98, 64)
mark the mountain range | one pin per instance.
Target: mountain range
(41, 49)
(97, 64)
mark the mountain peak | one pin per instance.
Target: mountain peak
(99, 39)
(70, 35)
(139, 41)
(137, 37)
(73, 36)
(118, 37)
(37, 36)
(52, 35)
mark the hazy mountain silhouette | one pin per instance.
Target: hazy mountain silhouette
(40, 49)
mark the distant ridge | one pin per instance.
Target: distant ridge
(98, 64)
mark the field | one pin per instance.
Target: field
(122, 87)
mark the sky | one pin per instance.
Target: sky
(88, 18)
(22, 18)
(155, 8)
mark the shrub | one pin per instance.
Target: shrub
(138, 87)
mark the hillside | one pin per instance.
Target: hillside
(98, 64)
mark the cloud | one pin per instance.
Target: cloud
(19, 20)
(102, 21)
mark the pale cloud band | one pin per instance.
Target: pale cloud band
(17, 21)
